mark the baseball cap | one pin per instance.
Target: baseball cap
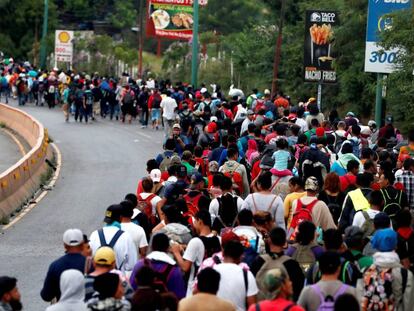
(372, 123)
(175, 160)
(213, 119)
(292, 116)
(267, 92)
(73, 237)
(311, 100)
(384, 240)
(389, 119)
(311, 184)
(155, 175)
(212, 127)
(181, 171)
(350, 114)
(213, 167)
(113, 213)
(352, 234)
(104, 256)
(196, 178)
(176, 126)
(250, 112)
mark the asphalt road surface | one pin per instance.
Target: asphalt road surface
(9, 151)
(101, 162)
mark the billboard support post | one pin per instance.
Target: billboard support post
(194, 59)
(319, 95)
(378, 100)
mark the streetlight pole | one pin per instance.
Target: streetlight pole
(194, 57)
(278, 51)
(140, 36)
(44, 35)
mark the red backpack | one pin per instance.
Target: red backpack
(145, 206)
(302, 213)
(237, 180)
(192, 204)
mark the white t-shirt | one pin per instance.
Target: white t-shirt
(125, 250)
(194, 253)
(359, 218)
(263, 202)
(303, 125)
(137, 234)
(154, 201)
(232, 286)
(168, 106)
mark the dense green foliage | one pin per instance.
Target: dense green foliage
(237, 46)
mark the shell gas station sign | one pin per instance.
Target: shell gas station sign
(64, 45)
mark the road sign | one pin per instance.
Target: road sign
(376, 58)
(64, 46)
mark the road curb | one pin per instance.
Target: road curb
(33, 203)
(16, 140)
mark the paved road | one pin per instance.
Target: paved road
(9, 151)
(101, 163)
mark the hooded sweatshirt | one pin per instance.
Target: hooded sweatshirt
(339, 167)
(72, 286)
(387, 260)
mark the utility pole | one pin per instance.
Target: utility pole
(140, 36)
(378, 100)
(194, 57)
(44, 35)
(278, 51)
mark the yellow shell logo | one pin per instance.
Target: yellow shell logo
(64, 37)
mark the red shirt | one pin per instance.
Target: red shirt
(278, 304)
(347, 180)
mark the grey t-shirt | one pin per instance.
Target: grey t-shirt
(310, 300)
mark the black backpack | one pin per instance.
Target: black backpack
(334, 208)
(128, 99)
(156, 102)
(391, 205)
(227, 217)
(211, 245)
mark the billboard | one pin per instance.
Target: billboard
(319, 54)
(377, 59)
(64, 45)
(172, 19)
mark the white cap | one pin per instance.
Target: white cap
(371, 123)
(155, 175)
(213, 119)
(203, 90)
(73, 237)
(266, 92)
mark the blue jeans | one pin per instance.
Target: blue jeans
(6, 93)
(21, 98)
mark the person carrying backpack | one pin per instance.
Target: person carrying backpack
(305, 251)
(276, 258)
(111, 235)
(277, 286)
(224, 209)
(309, 208)
(237, 172)
(386, 285)
(405, 247)
(168, 276)
(127, 103)
(87, 103)
(314, 162)
(322, 295)
(394, 200)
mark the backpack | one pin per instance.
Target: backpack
(145, 206)
(251, 251)
(227, 217)
(408, 246)
(391, 205)
(166, 161)
(335, 209)
(302, 213)
(368, 227)
(156, 102)
(111, 243)
(192, 204)
(161, 277)
(271, 261)
(328, 302)
(211, 245)
(355, 147)
(339, 140)
(207, 111)
(313, 167)
(304, 255)
(378, 294)
(89, 97)
(128, 99)
(51, 89)
(236, 179)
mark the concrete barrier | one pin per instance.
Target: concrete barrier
(22, 180)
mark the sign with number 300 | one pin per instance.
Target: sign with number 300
(376, 58)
